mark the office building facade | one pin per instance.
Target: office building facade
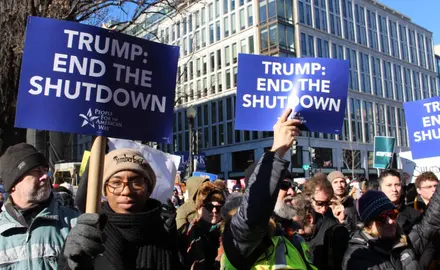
(391, 62)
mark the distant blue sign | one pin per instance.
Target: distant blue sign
(199, 160)
(89, 80)
(423, 121)
(212, 177)
(315, 88)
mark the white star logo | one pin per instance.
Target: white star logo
(89, 119)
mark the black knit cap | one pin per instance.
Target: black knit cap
(17, 161)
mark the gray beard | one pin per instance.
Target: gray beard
(284, 211)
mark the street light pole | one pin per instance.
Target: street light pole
(190, 114)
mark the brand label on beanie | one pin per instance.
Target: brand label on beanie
(21, 165)
(133, 159)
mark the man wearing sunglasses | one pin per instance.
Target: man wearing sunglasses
(382, 244)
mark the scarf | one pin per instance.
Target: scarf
(136, 241)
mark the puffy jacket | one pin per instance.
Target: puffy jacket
(37, 245)
(187, 212)
(246, 236)
(365, 253)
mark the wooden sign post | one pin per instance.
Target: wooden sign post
(96, 167)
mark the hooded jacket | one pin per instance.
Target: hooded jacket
(365, 253)
(187, 212)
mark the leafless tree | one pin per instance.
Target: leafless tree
(352, 157)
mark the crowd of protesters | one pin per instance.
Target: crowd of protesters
(271, 223)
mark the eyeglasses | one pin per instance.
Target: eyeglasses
(116, 187)
(321, 203)
(391, 214)
(210, 207)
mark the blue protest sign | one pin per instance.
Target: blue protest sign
(315, 88)
(210, 176)
(383, 151)
(423, 121)
(89, 80)
(199, 160)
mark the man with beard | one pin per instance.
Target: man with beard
(34, 223)
(327, 239)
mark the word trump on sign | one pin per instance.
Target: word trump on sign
(89, 80)
(423, 121)
(313, 88)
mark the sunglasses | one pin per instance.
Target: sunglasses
(391, 214)
(321, 203)
(210, 207)
(285, 185)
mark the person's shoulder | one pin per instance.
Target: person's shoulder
(410, 212)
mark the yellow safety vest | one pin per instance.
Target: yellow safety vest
(281, 255)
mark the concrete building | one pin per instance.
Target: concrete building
(391, 62)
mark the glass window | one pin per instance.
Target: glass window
(384, 47)
(211, 33)
(242, 19)
(213, 112)
(250, 16)
(217, 8)
(232, 4)
(227, 56)
(251, 44)
(217, 26)
(272, 10)
(205, 115)
(264, 39)
(403, 42)
(226, 27)
(263, 12)
(229, 132)
(211, 12)
(273, 35)
(219, 59)
(229, 109)
(234, 53)
(228, 79)
(233, 24)
(398, 82)
(243, 46)
(220, 110)
(372, 30)
(225, 6)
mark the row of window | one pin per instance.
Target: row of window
(374, 75)
(363, 26)
(212, 73)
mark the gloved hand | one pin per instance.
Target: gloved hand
(84, 242)
(168, 215)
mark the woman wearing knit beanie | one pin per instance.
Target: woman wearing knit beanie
(130, 222)
(381, 243)
(203, 247)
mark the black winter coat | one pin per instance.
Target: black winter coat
(364, 253)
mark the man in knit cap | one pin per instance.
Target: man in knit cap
(131, 224)
(34, 223)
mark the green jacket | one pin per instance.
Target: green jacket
(39, 244)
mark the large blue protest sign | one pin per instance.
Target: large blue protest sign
(89, 80)
(423, 121)
(383, 151)
(315, 88)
